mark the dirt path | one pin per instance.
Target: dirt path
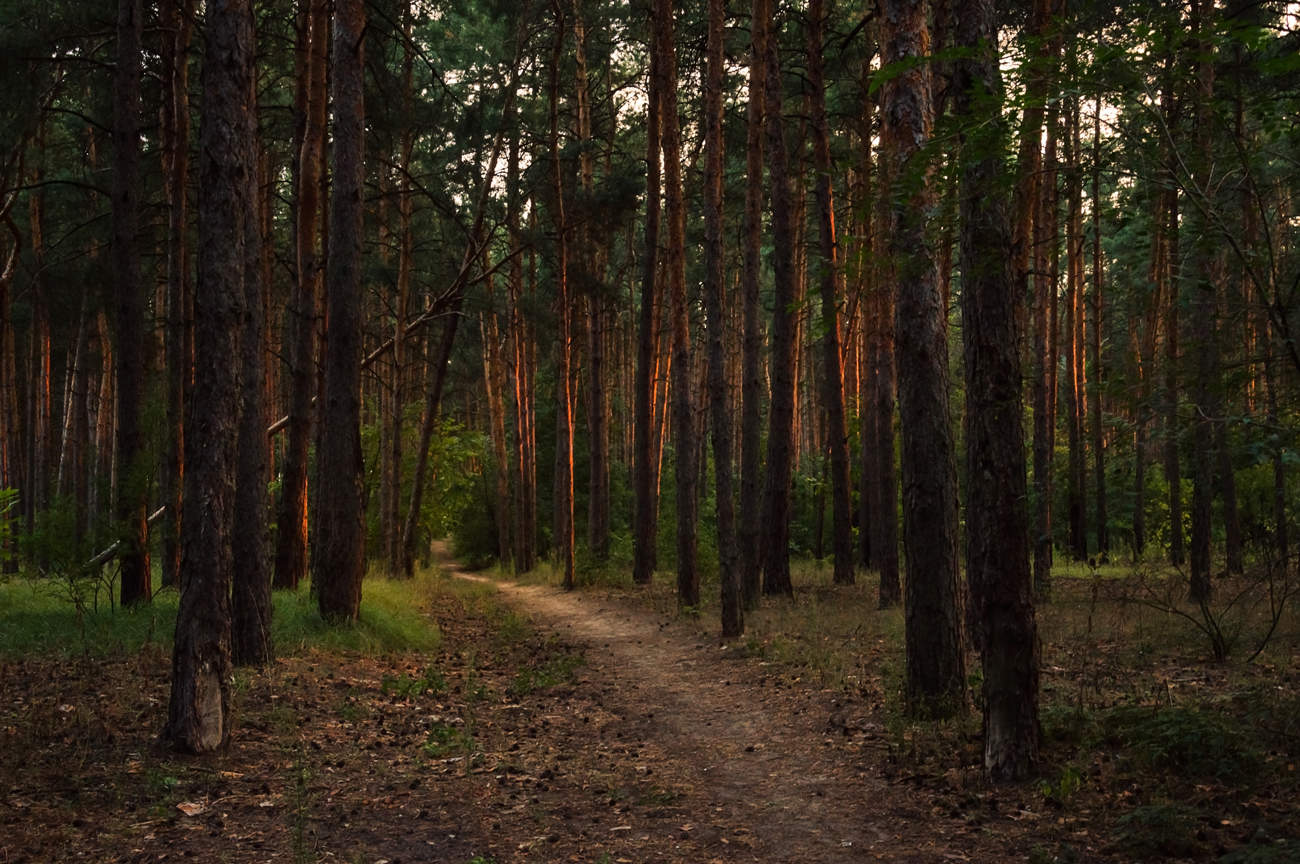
(768, 775)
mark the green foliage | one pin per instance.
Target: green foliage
(446, 738)
(431, 681)
(1158, 829)
(40, 618)
(1059, 790)
(8, 506)
(1192, 743)
(559, 670)
(1264, 848)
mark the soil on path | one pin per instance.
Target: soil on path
(548, 727)
(764, 769)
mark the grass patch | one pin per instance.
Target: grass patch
(39, 618)
(559, 670)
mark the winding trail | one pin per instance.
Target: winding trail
(754, 755)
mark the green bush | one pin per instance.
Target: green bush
(1190, 742)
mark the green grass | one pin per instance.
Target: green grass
(39, 617)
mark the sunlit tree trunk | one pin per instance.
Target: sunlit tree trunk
(1074, 330)
(832, 363)
(300, 335)
(1094, 344)
(684, 436)
(562, 526)
(644, 471)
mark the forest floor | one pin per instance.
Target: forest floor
(593, 726)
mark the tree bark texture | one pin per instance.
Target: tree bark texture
(997, 524)
(300, 316)
(733, 622)
(832, 390)
(338, 556)
(644, 472)
(129, 306)
(936, 673)
(199, 712)
(781, 415)
(751, 376)
(684, 437)
(250, 601)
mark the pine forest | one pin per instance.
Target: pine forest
(582, 430)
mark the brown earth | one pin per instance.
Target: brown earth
(549, 727)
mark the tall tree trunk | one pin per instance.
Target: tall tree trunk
(1094, 344)
(589, 280)
(338, 554)
(997, 525)
(291, 521)
(936, 673)
(133, 491)
(832, 363)
(199, 713)
(1203, 275)
(1044, 356)
(522, 350)
(780, 429)
(493, 390)
(751, 376)
(250, 600)
(563, 528)
(1173, 428)
(177, 26)
(405, 255)
(684, 437)
(733, 621)
(1074, 346)
(645, 507)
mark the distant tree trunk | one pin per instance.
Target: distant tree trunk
(338, 555)
(1203, 275)
(177, 25)
(780, 429)
(936, 673)
(493, 390)
(199, 713)
(300, 336)
(751, 376)
(1044, 354)
(563, 527)
(250, 600)
(832, 362)
(884, 488)
(997, 526)
(684, 438)
(10, 458)
(522, 353)
(405, 255)
(1075, 384)
(645, 507)
(133, 491)
(733, 621)
(1173, 430)
(1094, 343)
(1159, 278)
(597, 429)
